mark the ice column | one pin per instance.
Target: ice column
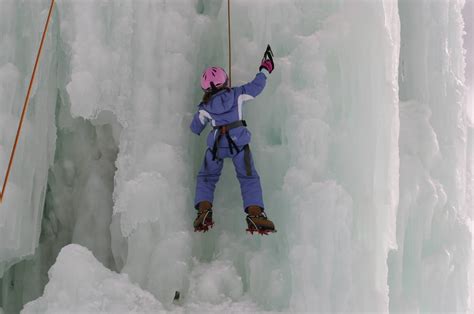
(326, 144)
(429, 270)
(21, 26)
(362, 71)
(138, 61)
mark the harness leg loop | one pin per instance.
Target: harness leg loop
(248, 166)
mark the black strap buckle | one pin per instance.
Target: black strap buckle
(224, 130)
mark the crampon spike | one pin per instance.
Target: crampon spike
(261, 232)
(204, 228)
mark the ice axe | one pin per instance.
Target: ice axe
(268, 54)
(268, 57)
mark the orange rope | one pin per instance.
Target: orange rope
(25, 105)
(230, 48)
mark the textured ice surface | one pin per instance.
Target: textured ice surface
(21, 211)
(370, 193)
(468, 14)
(433, 226)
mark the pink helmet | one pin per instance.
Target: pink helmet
(212, 78)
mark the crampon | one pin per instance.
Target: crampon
(261, 231)
(259, 223)
(203, 221)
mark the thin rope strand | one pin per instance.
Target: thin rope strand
(25, 104)
(230, 45)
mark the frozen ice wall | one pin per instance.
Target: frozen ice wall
(313, 197)
(144, 78)
(333, 124)
(359, 138)
(468, 14)
(433, 225)
(21, 24)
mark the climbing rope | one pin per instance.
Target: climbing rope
(230, 47)
(25, 104)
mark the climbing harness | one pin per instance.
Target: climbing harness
(25, 104)
(248, 166)
(224, 131)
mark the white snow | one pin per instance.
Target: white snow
(216, 283)
(79, 283)
(361, 139)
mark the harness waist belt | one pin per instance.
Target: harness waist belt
(230, 126)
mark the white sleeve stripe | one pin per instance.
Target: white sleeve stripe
(203, 116)
(240, 101)
(244, 97)
(202, 119)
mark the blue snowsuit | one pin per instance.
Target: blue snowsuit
(225, 107)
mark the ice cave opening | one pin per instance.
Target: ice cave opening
(78, 205)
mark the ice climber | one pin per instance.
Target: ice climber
(229, 138)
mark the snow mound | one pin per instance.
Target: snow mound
(216, 287)
(216, 283)
(80, 283)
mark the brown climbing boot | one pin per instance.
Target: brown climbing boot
(203, 221)
(257, 221)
